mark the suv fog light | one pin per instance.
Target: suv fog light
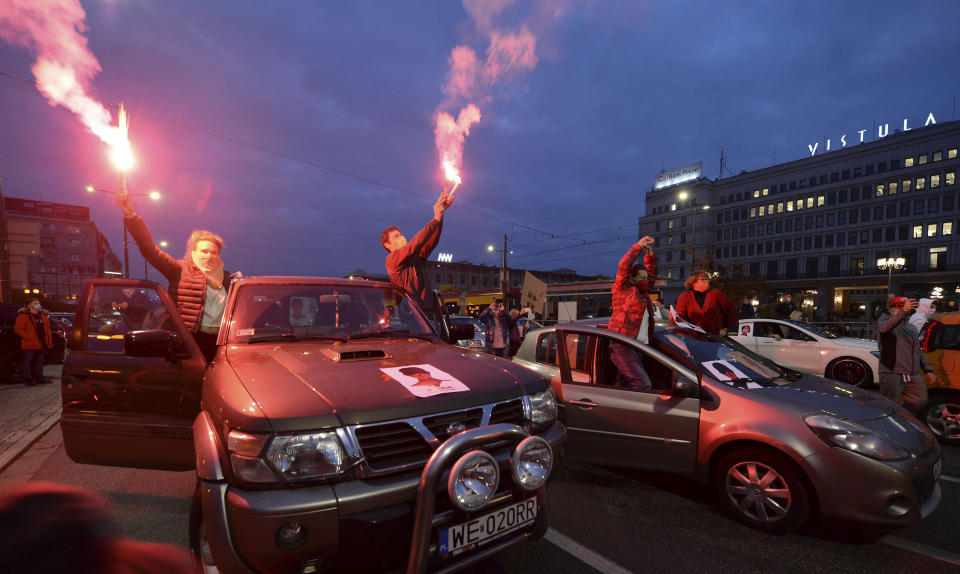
(291, 535)
(531, 462)
(473, 480)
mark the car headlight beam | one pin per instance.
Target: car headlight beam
(473, 480)
(531, 463)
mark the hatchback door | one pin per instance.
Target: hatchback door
(610, 424)
(122, 410)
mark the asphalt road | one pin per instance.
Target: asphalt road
(602, 520)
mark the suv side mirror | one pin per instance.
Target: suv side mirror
(152, 343)
(460, 332)
(684, 387)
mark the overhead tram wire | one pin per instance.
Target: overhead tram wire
(304, 161)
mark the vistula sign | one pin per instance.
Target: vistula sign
(883, 130)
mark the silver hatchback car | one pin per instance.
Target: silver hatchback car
(776, 445)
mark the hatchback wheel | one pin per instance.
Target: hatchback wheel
(850, 371)
(763, 489)
(199, 543)
(942, 416)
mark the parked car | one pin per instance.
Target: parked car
(10, 343)
(775, 445)
(478, 341)
(942, 413)
(808, 350)
(65, 318)
(319, 446)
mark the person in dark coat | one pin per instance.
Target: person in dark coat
(33, 327)
(707, 308)
(405, 260)
(902, 362)
(746, 310)
(198, 282)
(499, 325)
(784, 308)
(633, 311)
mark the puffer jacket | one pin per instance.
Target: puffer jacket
(188, 284)
(899, 344)
(631, 301)
(25, 328)
(405, 265)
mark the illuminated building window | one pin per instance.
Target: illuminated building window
(762, 207)
(935, 180)
(921, 183)
(770, 209)
(753, 212)
(673, 207)
(766, 191)
(789, 206)
(937, 155)
(670, 223)
(950, 178)
(669, 240)
(908, 162)
(938, 258)
(951, 153)
(922, 159)
(931, 230)
(947, 228)
(879, 190)
(820, 200)
(780, 207)
(809, 202)
(799, 204)
(756, 193)
(906, 186)
(892, 188)
(917, 231)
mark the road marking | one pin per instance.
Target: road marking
(949, 478)
(922, 549)
(584, 554)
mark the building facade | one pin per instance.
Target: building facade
(53, 248)
(816, 227)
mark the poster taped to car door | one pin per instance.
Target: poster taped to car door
(425, 380)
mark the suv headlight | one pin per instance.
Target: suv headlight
(856, 438)
(541, 408)
(290, 457)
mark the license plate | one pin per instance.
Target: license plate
(937, 467)
(475, 533)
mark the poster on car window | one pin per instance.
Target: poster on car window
(425, 380)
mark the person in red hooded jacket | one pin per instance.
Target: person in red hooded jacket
(707, 308)
(633, 311)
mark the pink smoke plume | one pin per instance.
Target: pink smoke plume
(508, 57)
(65, 66)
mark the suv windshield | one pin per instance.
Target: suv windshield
(721, 358)
(265, 312)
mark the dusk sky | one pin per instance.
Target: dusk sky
(298, 130)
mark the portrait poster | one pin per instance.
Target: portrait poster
(425, 380)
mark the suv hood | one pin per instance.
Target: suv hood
(298, 385)
(815, 394)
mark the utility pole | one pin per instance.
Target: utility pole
(504, 280)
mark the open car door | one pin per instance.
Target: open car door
(120, 409)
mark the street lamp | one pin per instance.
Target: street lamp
(154, 195)
(504, 279)
(682, 197)
(890, 263)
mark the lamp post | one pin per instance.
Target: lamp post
(682, 197)
(154, 195)
(890, 263)
(504, 279)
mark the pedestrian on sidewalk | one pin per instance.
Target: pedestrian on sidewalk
(33, 327)
(902, 363)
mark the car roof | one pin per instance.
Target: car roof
(306, 280)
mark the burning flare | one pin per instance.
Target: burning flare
(120, 151)
(449, 135)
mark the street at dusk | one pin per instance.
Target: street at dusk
(484, 286)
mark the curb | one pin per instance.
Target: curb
(24, 443)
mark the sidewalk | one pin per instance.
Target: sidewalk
(26, 413)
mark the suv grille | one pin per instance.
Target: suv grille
(399, 444)
(391, 445)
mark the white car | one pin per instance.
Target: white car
(808, 350)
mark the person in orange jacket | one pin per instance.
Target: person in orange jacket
(33, 327)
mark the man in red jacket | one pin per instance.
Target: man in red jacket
(633, 311)
(707, 308)
(405, 260)
(33, 327)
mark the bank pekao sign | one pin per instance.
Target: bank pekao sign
(679, 175)
(883, 130)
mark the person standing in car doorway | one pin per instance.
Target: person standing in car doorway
(902, 363)
(33, 327)
(633, 312)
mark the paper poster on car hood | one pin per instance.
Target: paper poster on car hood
(425, 380)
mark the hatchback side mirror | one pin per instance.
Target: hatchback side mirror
(153, 343)
(684, 387)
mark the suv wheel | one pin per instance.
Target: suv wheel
(763, 489)
(199, 543)
(942, 417)
(850, 371)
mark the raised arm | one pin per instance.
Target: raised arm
(623, 269)
(160, 259)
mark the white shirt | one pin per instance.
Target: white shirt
(644, 335)
(213, 303)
